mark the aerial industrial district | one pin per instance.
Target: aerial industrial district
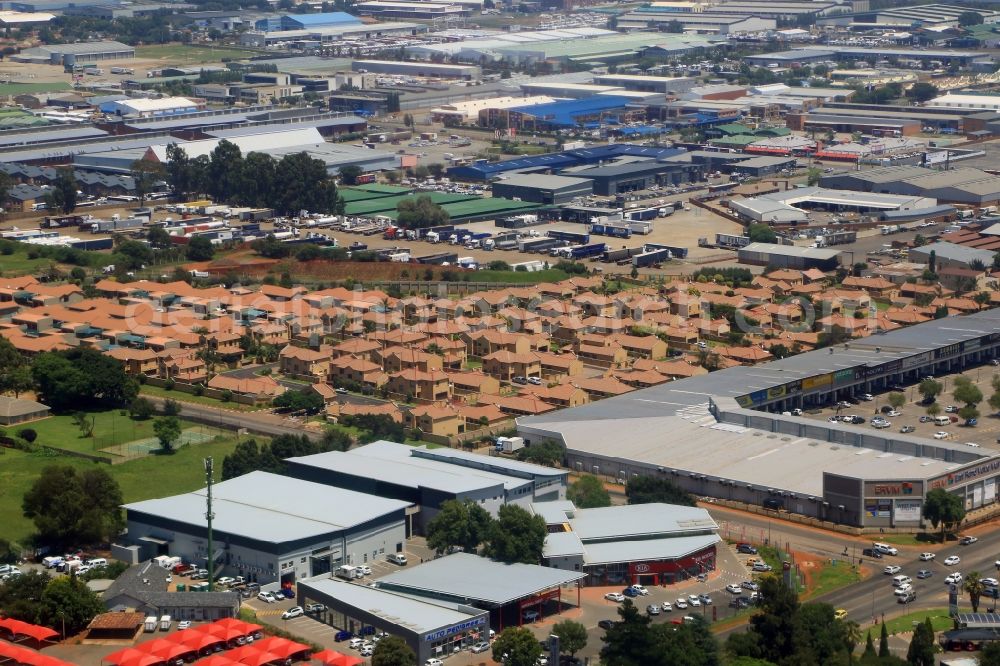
(473, 332)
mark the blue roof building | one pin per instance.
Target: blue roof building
(590, 111)
(305, 21)
(554, 162)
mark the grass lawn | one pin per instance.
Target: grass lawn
(181, 54)
(520, 277)
(158, 392)
(910, 539)
(904, 623)
(140, 479)
(830, 577)
(473, 364)
(18, 263)
(29, 88)
(110, 428)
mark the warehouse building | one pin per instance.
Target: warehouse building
(145, 107)
(961, 185)
(431, 628)
(687, 431)
(789, 256)
(792, 206)
(414, 11)
(645, 544)
(425, 478)
(632, 176)
(951, 255)
(512, 593)
(305, 21)
(845, 123)
(704, 23)
(270, 528)
(537, 188)
(82, 53)
(423, 69)
(674, 85)
(591, 112)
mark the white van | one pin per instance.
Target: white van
(901, 579)
(97, 562)
(165, 623)
(150, 624)
(941, 420)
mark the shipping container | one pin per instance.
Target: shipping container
(439, 258)
(625, 253)
(585, 251)
(675, 251)
(576, 237)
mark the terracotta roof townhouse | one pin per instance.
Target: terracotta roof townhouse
(506, 365)
(441, 421)
(420, 386)
(303, 362)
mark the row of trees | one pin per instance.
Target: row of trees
(516, 535)
(293, 183)
(249, 456)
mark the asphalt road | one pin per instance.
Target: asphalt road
(263, 423)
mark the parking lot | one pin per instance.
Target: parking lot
(984, 434)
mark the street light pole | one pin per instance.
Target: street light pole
(208, 517)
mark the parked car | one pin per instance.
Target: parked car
(629, 592)
(365, 570)
(267, 597)
(953, 578)
(924, 573)
(315, 608)
(750, 585)
(481, 646)
(872, 553)
(294, 611)
(867, 397)
(342, 635)
(681, 603)
(941, 434)
(951, 409)
(605, 624)
(746, 548)
(839, 614)
(972, 422)
(892, 570)
(761, 566)
(653, 609)
(639, 589)
(615, 596)
(734, 588)
(184, 624)
(906, 429)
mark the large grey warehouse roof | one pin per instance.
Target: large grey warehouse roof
(642, 550)
(390, 462)
(466, 576)
(494, 463)
(791, 250)
(88, 47)
(272, 508)
(955, 252)
(417, 615)
(543, 181)
(636, 520)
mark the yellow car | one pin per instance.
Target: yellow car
(840, 614)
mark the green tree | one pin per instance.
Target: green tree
(967, 392)
(588, 492)
(921, 650)
(930, 389)
(305, 400)
(458, 524)
(516, 646)
(335, 439)
(572, 636)
(62, 197)
(922, 91)
(549, 454)
(393, 651)
(970, 18)
(813, 174)
(990, 656)
(629, 642)
(883, 643)
(869, 646)
(68, 599)
(167, 431)
(21, 596)
(516, 536)
(199, 248)
(70, 507)
(133, 255)
(420, 212)
(944, 510)
(81, 378)
(349, 174)
(140, 409)
(896, 399)
(179, 171)
(248, 457)
(761, 233)
(650, 490)
(15, 375)
(145, 174)
(974, 587)
(775, 623)
(158, 238)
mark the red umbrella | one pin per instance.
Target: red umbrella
(261, 658)
(218, 660)
(161, 647)
(199, 641)
(245, 627)
(329, 657)
(280, 646)
(225, 633)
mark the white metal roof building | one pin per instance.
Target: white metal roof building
(793, 205)
(724, 434)
(640, 543)
(269, 527)
(147, 107)
(508, 591)
(431, 628)
(425, 478)
(79, 53)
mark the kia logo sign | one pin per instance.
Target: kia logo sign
(641, 568)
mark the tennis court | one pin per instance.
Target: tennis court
(143, 447)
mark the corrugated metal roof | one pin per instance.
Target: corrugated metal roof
(636, 520)
(466, 576)
(646, 550)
